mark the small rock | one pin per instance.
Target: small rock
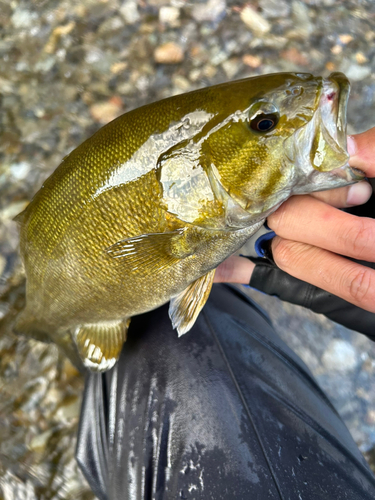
(361, 58)
(295, 56)
(111, 25)
(301, 18)
(212, 11)
(20, 170)
(69, 409)
(252, 61)
(370, 417)
(273, 9)
(169, 15)
(3, 263)
(118, 67)
(336, 49)
(23, 18)
(106, 111)
(56, 34)
(39, 442)
(129, 11)
(340, 356)
(345, 39)
(181, 83)
(330, 66)
(255, 21)
(230, 67)
(45, 64)
(169, 53)
(356, 73)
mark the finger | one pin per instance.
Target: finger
(235, 269)
(333, 273)
(308, 220)
(361, 148)
(345, 197)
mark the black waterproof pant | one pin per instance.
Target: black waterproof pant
(227, 411)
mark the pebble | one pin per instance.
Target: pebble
(169, 15)
(20, 170)
(129, 11)
(23, 18)
(255, 21)
(3, 263)
(119, 67)
(371, 417)
(295, 56)
(356, 73)
(361, 58)
(301, 18)
(39, 442)
(345, 39)
(273, 9)
(213, 10)
(169, 53)
(69, 410)
(231, 67)
(252, 61)
(106, 111)
(340, 356)
(56, 34)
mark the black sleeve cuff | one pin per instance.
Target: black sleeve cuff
(268, 278)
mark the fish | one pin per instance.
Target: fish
(144, 211)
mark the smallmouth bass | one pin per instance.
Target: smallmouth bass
(145, 210)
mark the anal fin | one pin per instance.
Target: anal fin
(185, 307)
(100, 344)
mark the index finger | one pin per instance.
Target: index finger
(361, 148)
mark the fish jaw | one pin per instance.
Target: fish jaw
(318, 150)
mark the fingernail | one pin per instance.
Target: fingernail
(351, 145)
(358, 194)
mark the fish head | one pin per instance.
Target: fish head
(289, 139)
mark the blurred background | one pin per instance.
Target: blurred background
(67, 68)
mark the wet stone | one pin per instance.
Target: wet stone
(340, 356)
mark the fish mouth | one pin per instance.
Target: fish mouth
(340, 105)
(333, 107)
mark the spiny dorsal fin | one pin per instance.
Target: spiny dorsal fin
(100, 344)
(185, 307)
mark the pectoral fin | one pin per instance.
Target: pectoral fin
(100, 344)
(185, 307)
(152, 252)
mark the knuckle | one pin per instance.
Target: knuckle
(283, 253)
(275, 220)
(361, 287)
(359, 236)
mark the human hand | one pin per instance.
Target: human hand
(313, 236)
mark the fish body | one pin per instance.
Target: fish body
(146, 209)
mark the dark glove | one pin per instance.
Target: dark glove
(268, 278)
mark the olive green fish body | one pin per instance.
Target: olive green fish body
(145, 210)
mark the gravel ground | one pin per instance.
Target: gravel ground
(69, 67)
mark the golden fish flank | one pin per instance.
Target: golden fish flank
(146, 209)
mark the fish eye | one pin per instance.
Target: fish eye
(264, 122)
(263, 116)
